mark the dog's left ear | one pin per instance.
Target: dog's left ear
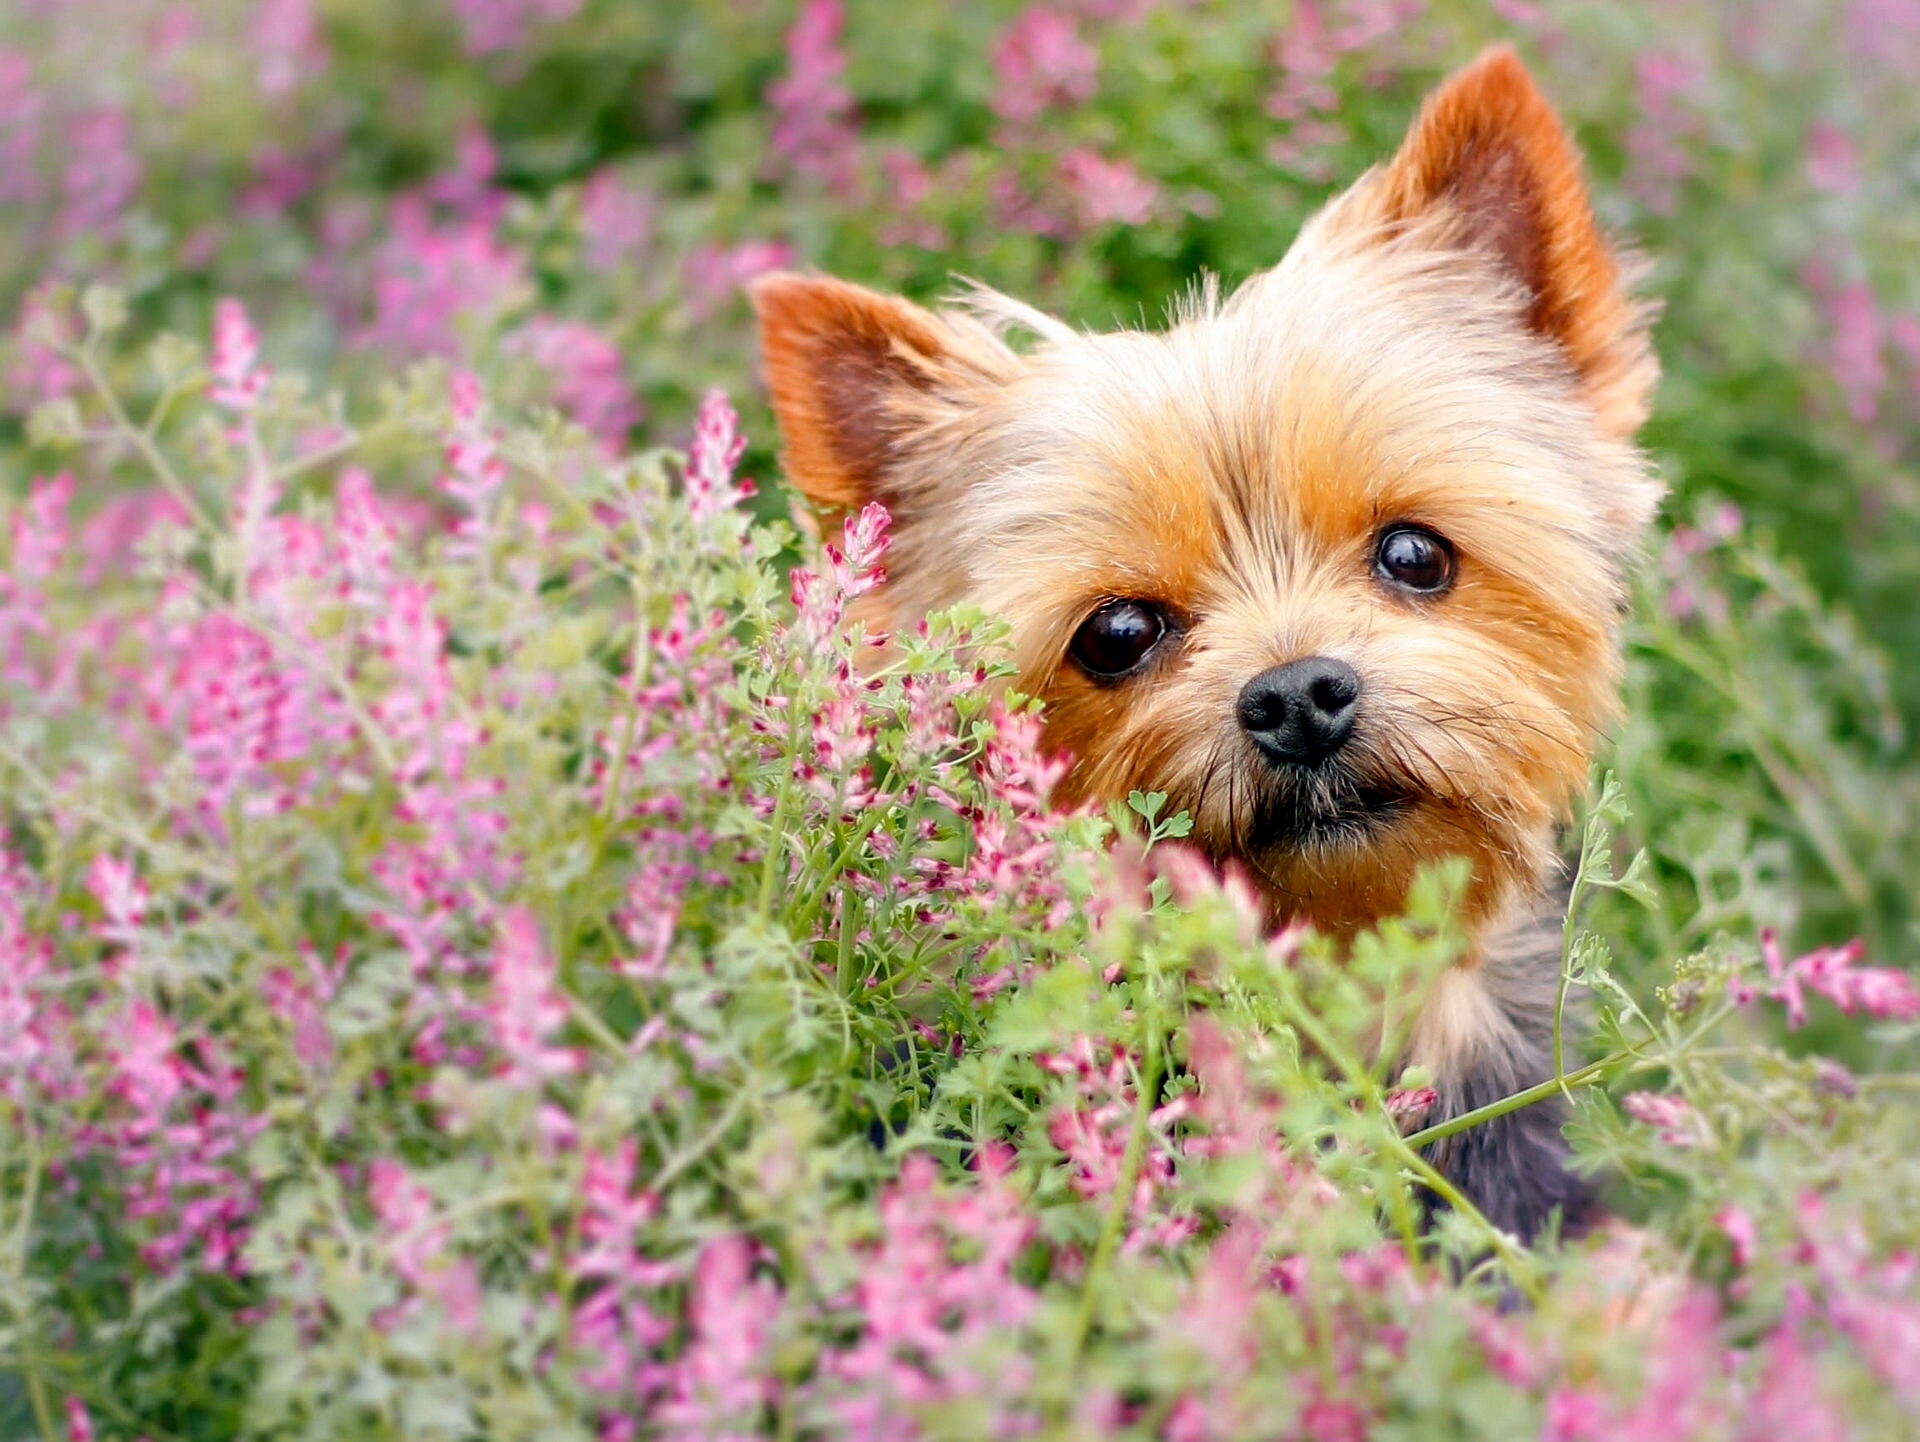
(1489, 162)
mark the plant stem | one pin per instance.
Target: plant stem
(1586, 1076)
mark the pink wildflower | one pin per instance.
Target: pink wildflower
(812, 127)
(588, 375)
(715, 273)
(1833, 165)
(1830, 971)
(616, 220)
(496, 25)
(1673, 1117)
(721, 1382)
(287, 48)
(1107, 191)
(1738, 1228)
(1656, 145)
(102, 176)
(238, 378)
(429, 279)
(79, 1424)
(525, 1008)
(21, 108)
(712, 489)
(1041, 61)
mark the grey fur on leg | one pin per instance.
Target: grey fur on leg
(1514, 1169)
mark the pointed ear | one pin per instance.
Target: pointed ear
(853, 375)
(1489, 161)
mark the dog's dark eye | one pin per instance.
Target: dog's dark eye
(1117, 638)
(1414, 559)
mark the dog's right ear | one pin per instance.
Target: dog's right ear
(855, 376)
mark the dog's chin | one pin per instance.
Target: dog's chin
(1327, 810)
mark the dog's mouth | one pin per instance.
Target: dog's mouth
(1304, 807)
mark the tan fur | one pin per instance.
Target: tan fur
(1449, 343)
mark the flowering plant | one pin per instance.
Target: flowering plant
(480, 956)
(488, 949)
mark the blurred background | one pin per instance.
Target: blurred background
(567, 196)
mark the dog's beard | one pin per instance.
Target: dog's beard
(1329, 807)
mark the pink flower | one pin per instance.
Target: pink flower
(721, 1380)
(1790, 1400)
(21, 108)
(1830, 971)
(525, 1008)
(429, 279)
(1673, 1117)
(1832, 162)
(287, 47)
(616, 220)
(238, 379)
(1041, 61)
(588, 374)
(717, 447)
(1107, 191)
(1739, 1230)
(102, 176)
(39, 371)
(1656, 149)
(715, 273)
(1855, 350)
(495, 25)
(79, 1424)
(812, 126)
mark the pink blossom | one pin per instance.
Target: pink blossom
(712, 489)
(238, 379)
(1833, 165)
(588, 376)
(616, 220)
(1738, 1228)
(526, 1008)
(102, 174)
(429, 279)
(1830, 971)
(721, 1380)
(1107, 191)
(40, 372)
(1040, 61)
(715, 273)
(287, 47)
(812, 126)
(924, 1312)
(21, 108)
(1855, 350)
(496, 25)
(1789, 1400)
(416, 1245)
(40, 535)
(1656, 146)
(79, 1424)
(1673, 1117)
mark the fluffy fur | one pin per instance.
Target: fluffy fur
(1452, 344)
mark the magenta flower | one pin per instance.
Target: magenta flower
(1830, 971)
(1107, 191)
(1673, 1117)
(813, 128)
(1040, 61)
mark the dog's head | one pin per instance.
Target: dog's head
(1337, 562)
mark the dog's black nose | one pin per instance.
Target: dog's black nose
(1301, 712)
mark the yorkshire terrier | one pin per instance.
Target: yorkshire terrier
(1338, 563)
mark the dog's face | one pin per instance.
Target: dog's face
(1337, 563)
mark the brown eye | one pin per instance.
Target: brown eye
(1117, 639)
(1414, 559)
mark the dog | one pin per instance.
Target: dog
(1338, 562)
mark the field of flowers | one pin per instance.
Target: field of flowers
(479, 958)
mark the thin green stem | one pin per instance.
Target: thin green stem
(1585, 1076)
(142, 441)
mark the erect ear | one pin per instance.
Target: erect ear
(1489, 160)
(854, 376)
